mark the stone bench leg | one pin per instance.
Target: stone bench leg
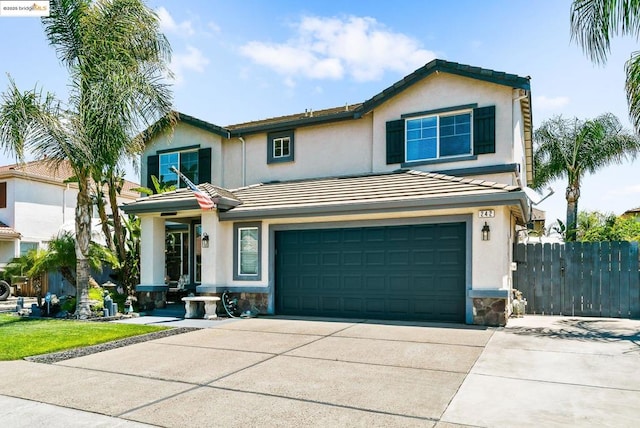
(210, 310)
(191, 309)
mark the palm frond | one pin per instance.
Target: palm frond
(632, 86)
(595, 22)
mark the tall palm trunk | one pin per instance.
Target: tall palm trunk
(83, 238)
(572, 195)
(104, 220)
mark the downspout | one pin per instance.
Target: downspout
(521, 94)
(64, 203)
(244, 161)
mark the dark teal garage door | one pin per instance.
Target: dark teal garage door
(414, 272)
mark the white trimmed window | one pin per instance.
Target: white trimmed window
(247, 251)
(438, 136)
(281, 147)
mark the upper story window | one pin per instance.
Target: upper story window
(192, 161)
(436, 136)
(280, 147)
(457, 133)
(186, 162)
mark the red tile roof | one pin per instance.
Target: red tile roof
(8, 232)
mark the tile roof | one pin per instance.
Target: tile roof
(47, 171)
(354, 111)
(40, 168)
(308, 115)
(632, 211)
(400, 186)
(181, 198)
(8, 232)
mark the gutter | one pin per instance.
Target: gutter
(516, 198)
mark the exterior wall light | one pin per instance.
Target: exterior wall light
(205, 240)
(486, 232)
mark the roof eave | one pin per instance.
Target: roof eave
(296, 123)
(439, 65)
(514, 198)
(148, 207)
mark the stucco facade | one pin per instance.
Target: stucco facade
(479, 190)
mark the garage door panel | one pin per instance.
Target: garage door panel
(330, 258)
(310, 237)
(309, 303)
(396, 235)
(330, 236)
(398, 306)
(373, 235)
(397, 272)
(290, 304)
(353, 305)
(330, 282)
(309, 282)
(425, 232)
(352, 258)
(353, 236)
(375, 283)
(398, 257)
(331, 304)
(374, 258)
(399, 283)
(309, 259)
(424, 257)
(291, 259)
(375, 306)
(352, 283)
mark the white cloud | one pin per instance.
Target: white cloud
(169, 25)
(543, 102)
(330, 48)
(192, 60)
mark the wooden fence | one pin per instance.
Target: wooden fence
(598, 279)
(28, 287)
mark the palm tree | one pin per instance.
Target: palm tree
(569, 148)
(116, 58)
(60, 256)
(594, 23)
(158, 187)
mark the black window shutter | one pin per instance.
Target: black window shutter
(395, 141)
(153, 168)
(204, 165)
(484, 130)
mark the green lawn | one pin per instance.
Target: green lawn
(23, 337)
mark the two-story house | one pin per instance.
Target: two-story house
(402, 207)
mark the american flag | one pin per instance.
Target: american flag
(204, 200)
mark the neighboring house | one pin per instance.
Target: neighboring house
(633, 213)
(537, 221)
(35, 203)
(405, 206)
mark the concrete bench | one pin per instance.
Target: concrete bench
(191, 304)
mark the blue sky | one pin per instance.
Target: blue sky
(248, 60)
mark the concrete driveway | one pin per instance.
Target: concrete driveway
(539, 371)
